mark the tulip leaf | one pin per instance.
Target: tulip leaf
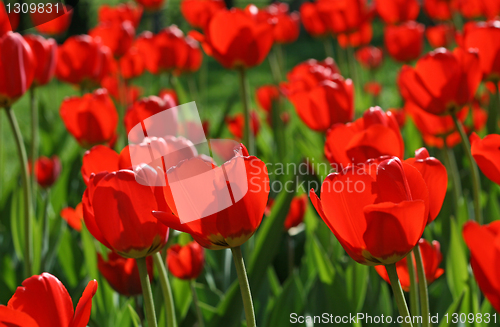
(456, 262)
(67, 261)
(319, 259)
(136, 321)
(17, 223)
(290, 300)
(454, 308)
(182, 296)
(357, 283)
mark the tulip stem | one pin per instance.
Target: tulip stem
(45, 229)
(415, 310)
(422, 287)
(327, 43)
(492, 123)
(23, 160)
(166, 289)
(34, 134)
(196, 304)
(247, 134)
(399, 295)
(449, 158)
(244, 286)
(149, 305)
(476, 182)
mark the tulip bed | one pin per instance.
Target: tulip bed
(356, 145)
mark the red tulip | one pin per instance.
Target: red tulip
(54, 22)
(373, 88)
(170, 94)
(73, 217)
(235, 40)
(144, 43)
(194, 57)
(117, 36)
(369, 57)
(45, 55)
(229, 227)
(199, 12)
(486, 152)
(438, 9)
(151, 5)
(296, 212)
(397, 11)
(91, 119)
(121, 92)
(120, 13)
(285, 24)
(83, 60)
(482, 242)
(404, 42)
(8, 21)
(265, 95)
(186, 262)
(310, 73)
(476, 8)
(441, 35)
(17, 68)
(484, 37)
(431, 257)
(101, 158)
(357, 38)
(172, 48)
(131, 64)
(47, 170)
(44, 301)
(377, 210)
(400, 116)
(442, 81)
(343, 16)
(313, 22)
(122, 273)
(371, 136)
(436, 178)
(236, 124)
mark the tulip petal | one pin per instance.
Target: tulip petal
(82, 313)
(99, 158)
(13, 318)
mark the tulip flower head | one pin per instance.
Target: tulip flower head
(47, 170)
(484, 37)
(52, 22)
(397, 11)
(117, 36)
(45, 55)
(120, 13)
(369, 57)
(199, 12)
(296, 212)
(186, 262)
(151, 5)
(486, 153)
(404, 42)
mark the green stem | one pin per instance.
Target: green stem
(45, 230)
(476, 182)
(247, 134)
(415, 310)
(494, 106)
(291, 254)
(244, 286)
(275, 66)
(196, 304)
(167, 291)
(451, 163)
(34, 136)
(422, 287)
(149, 305)
(23, 160)
(399, 295)
(327, 43)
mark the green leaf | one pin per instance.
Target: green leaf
(456, 262)
(290, 300)
(357, 282)
(136, 321)
(67, 260)
(319, 260)
(17, 223)
(454, 307)
(182, 296)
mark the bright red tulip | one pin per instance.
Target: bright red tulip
(151, 5)
(45, 55)
(357, 38)
(131, 64)
(117, 36)
(400, 116)
(91, 119)
(313, 22)
(235, 40)
(186, 262)
(377, 210)
(17, 68)
(442, 81)
(404, 42)
(265, 95)
(484, 37)
(122, 273)
(8, 21)
(482, 242)
(438, 9)
(47, 171)
(73, 217)
(199, 12)
(441, 35)
(236, 124)
(431, 257)
(53, 23)
(371, 136)
(101, 158)
(476, 8)
(344, 16)
(44, 301)
(486, 152)
(373, 88)
(369, 57)
(172, 48)
(310, 73)
(296, 212)
(397, 11)
(194, 57)
(235, 224)
(144, 43)
(120, 13)
(84, 61)
(285, 25)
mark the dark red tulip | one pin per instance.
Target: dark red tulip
(235, 40)
(483, 37)
(186, 262)
(404, 42)
(73, 217)
(17, 68)
(438, 9)
(265, 95)
(436, 178)
(151, 5)
(377, 210)
(442, 81)
(238, 221)
(397, 11)
(47, 170)
(53, 23)
(369, 57)
(120, 13)
(296, 212)
(84, 61)
(373, 88)
(482, 242)
(117, 36)
(8, 21)
(313, 22)
(44, 301)
(371, 136)
(486, 152)
(199, 12)
(144, 43)
(101, 158)
(431, 257)
(357, 38)
(441, 35)
(91, 119)
(236, 123)
(172, 49)
(344, 16)
(122, 273)
(479, 8)
(131, 64)
(45, 55)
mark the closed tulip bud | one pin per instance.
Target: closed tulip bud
(397, 11)
(369, 57)
(438, 9)
(313, 22)
(236, 123)
(296, 212)
(199, 12)
(117, 36)
(45, 54)
(441, 35)
(404, 42)
(47, 171)
(186, 262)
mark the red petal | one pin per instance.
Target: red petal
(84, 306)
(99, 158)
(13, 318)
